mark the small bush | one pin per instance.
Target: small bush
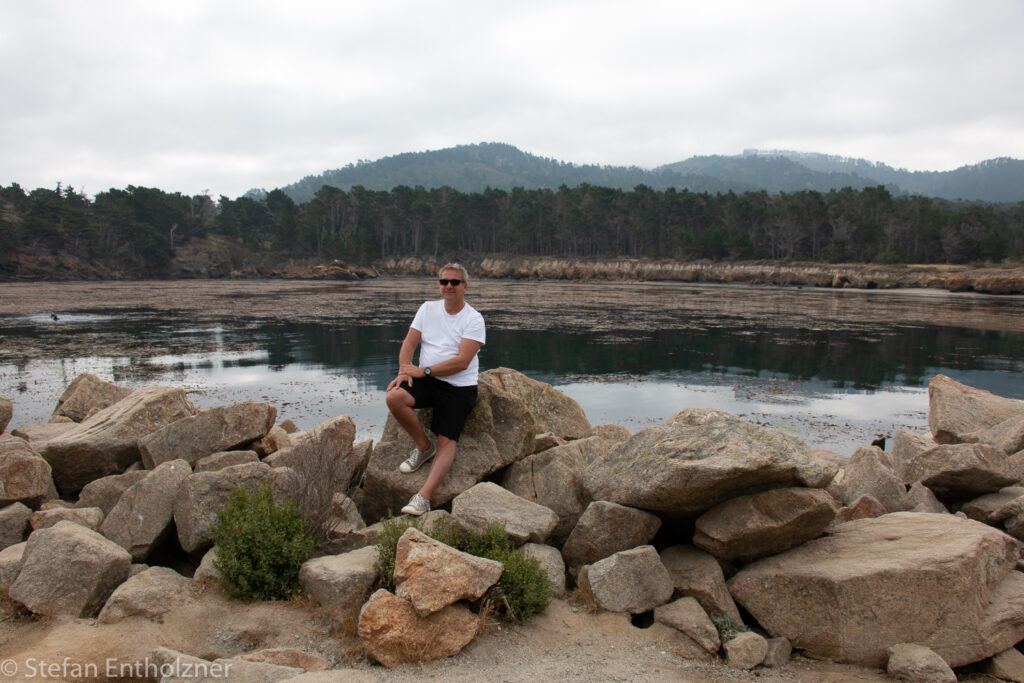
(523, 589)
(728, 627)
(261, 544)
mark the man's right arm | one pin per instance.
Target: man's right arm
(409, 344)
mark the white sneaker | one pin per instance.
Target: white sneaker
(417, 506)
(417, 458)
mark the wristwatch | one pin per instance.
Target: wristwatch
(426, 371)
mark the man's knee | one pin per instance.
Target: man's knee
(399, 398)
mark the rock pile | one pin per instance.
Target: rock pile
(905, 559)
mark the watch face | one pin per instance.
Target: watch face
(427, 372)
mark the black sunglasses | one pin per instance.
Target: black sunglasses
(454, 283)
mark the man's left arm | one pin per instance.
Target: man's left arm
(467, 349)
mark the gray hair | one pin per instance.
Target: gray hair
(454, 266)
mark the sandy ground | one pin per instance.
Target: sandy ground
(566, 642)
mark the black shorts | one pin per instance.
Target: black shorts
(452, 405)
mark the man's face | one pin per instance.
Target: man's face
(452, 291)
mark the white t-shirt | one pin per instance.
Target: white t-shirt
(441, 335)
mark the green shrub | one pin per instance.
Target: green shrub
(261, 544)
(523, 589)
(728, 627)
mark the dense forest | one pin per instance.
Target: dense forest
(136, 229)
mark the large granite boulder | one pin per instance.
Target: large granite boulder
(700, 458)
(956, 410)
(341, 583)
(68, 569)
(941, 581)
(150, 593)
(432, 575)
(487, 503)
(499, 431)
(687, 616)
(907, 445)
(1007, 436)
(107, 442)
(868, 473)
(765, 523)
(698, 574)
(633, 581)
(13, 524)
(142, 517)
(24, 476)
(552, 411)
(90, 518)
(11, 559)
(394, 634)
(209, 431)
(104, 492)
(202, 494)
(554, 479)
(88, 394)
(959, 472)
(604, 529)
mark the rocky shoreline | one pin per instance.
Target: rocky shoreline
(218, 257)
(907, 560)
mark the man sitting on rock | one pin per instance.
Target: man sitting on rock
(449, 333)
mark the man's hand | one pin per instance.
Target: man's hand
(410, 370)
(402, 377)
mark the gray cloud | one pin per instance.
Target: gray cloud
(193, 96)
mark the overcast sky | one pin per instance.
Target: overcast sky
(196, 96)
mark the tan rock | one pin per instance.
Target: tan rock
(221, 459)
(633, 581)
(956, 472)
(1007, 436)
(697, 574)
(209, 431)
(604, 529)
(686, 615)
(90, 518)
(6, 412)
(11, 559)
(907, 445)
(745, 650)
(289, 656)
(863, 508)
(13, 524)
(551, 562)
(1006, 666)
(869, 472)
(956, 410)
(432, 575)
(487, 503)
(394, 634)
(700, 458)
(552, 410)
(87, 394)
(765, 523)
(143, 515)
(918, 664)
(106, 491)
(779, 651)
(341, 583)
(24, 477)
(149, 594)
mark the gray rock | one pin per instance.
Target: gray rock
(765, 523)
(150, 593)
(962, 471)
(552, 411)
(633, 581)
(104, 492)
(697, 574)
(487, 503)
(500, 431)
(941, 581)
(918, 664)
(745, 650)
(86, 395)
(11, 559)
(69, 569)
(554, 479)
(209, 431)
(107, 442)
(13, 524)
(779, 652)
(551, 562)
(869, 472)
(983, 507)
(222, 459)
(143, 515)
(341, 583)
(700, 458)
(90, 518)
(956, 410)
(686, 615)
(432, 575)
(604, 529)
(207, 576)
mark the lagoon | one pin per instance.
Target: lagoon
(836, 367)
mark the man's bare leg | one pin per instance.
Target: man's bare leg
(400, 403)
(440, 466)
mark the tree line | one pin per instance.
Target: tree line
(137, 228)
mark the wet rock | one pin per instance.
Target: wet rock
(394, 634)
(918, 664)
(700, 458)
(142, 517)
(149, 594)
(487, 503)
(107, 442)
(604, 529)
(633, 581)
(209, 431)
(68, 569)
(956, 410)
(554, 479)
(765, 523)
(86, 395)
(937, 580)
(697, 574)
(432, 575)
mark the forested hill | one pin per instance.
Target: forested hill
(474, 168)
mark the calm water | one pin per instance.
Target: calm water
(837, 382)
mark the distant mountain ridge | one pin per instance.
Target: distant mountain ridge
(476, 167)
